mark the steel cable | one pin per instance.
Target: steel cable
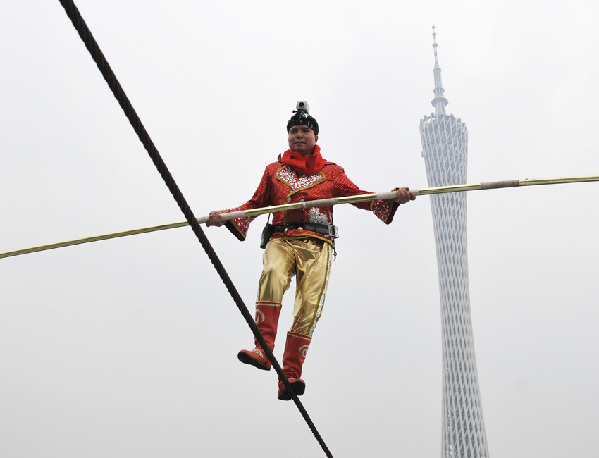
(123, 100)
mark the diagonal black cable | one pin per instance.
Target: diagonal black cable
(117, 90)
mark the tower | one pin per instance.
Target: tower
(445, 151)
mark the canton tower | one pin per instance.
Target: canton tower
(445, 151)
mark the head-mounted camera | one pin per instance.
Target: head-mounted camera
(301, 117)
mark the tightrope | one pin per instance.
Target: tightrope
(309, 204)
(123, 100)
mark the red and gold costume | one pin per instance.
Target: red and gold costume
(297, 252)
(281, 184)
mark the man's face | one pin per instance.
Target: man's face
(302, 140)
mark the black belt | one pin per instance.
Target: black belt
(324, 229)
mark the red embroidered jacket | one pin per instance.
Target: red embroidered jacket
(281, 184)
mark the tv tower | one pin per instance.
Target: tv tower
(445, 151)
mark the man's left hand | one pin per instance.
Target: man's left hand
(404, 195)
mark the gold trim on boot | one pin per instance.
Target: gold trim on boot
(296, 349)
(267, 320)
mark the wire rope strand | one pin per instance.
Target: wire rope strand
(117, 90)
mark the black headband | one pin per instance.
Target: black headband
(302, 118)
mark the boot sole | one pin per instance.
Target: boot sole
(247, 359)
(298, 387)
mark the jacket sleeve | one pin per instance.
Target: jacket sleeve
(383, 209)
(261, 198)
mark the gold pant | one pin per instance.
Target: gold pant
(309, 259)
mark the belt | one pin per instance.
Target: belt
(324, 229)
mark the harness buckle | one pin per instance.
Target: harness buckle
(333, 231)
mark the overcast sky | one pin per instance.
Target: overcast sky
(126, 348)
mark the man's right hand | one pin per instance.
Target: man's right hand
(215, 219)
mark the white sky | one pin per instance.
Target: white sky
(126, 348)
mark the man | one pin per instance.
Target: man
(300, 242)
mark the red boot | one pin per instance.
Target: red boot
(296, 348)
(267, 319)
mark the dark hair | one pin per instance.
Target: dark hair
(302, 118)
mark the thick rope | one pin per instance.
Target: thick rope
(117, 90)
(310, 204)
